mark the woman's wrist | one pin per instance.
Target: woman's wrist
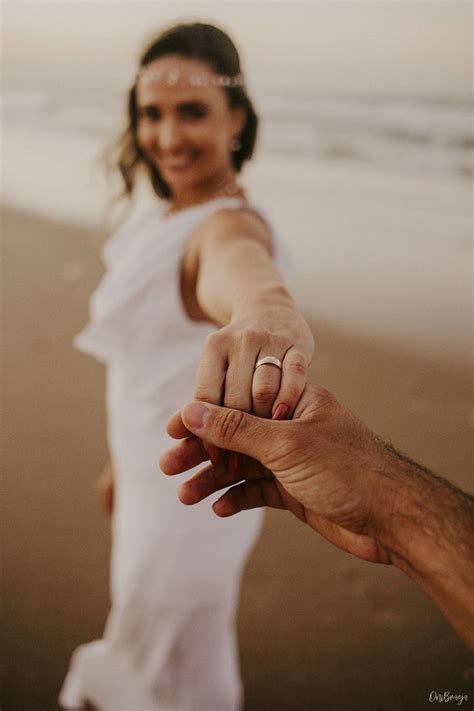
(270, 299)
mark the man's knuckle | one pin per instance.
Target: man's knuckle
(323, 397)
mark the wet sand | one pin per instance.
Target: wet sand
(318, 629)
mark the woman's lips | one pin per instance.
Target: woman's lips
(177, 163)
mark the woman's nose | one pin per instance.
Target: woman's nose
(170, 136)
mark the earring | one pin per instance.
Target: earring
(235, 144)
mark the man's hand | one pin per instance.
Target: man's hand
(336, 475)
(320, 466)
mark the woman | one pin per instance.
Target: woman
(204, 258)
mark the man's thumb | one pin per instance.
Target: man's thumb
(229, 429)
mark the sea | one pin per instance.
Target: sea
(53, 139)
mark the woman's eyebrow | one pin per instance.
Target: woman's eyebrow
(185, 102)
(192, 102)
(179, 105)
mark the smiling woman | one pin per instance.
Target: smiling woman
(200, 68)
(185, 127)
(205, 258)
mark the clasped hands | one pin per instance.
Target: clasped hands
(227, 374)
(313, 464)
(334, 474)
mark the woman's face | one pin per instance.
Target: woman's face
(186, 130)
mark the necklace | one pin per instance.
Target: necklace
(229, 190)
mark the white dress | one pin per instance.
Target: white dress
(169, 642)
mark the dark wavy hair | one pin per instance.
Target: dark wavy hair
(194, 41)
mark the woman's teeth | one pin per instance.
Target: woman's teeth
(179, 162)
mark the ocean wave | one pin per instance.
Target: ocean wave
(415, 133)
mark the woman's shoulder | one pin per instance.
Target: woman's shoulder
(231, 222)
(250, 220)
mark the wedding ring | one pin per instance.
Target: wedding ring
(270, 360)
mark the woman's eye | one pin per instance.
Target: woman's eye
(150, 112)
(194, 111)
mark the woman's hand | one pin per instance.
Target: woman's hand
(105, 489)
(226, 374)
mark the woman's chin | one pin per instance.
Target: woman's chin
(179, 180)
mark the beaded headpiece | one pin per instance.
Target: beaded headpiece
(172, 77)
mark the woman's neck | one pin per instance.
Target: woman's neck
(223, 185)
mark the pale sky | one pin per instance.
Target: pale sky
(407, 46)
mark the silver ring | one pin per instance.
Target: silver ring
(270, 360)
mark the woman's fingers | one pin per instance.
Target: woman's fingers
(211, 373)
(238, 381)
(227, 375)
(238, 394)
(210, 378)
(187, 454)
(293, 382)
(265, 386)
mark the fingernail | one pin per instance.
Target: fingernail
(196, 415)
(281, 412)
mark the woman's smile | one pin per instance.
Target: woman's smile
(177, 162)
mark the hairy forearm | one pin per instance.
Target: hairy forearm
(237, 278)
(430, 536)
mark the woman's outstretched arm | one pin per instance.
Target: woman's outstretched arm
(230, 278)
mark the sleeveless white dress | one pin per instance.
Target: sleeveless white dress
(169, 642)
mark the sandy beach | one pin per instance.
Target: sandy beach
(318, 629)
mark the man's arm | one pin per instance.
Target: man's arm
(430, 536)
